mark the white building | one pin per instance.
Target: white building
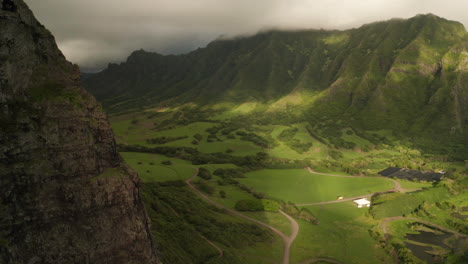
(363, 202)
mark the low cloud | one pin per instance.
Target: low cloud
(93, 33)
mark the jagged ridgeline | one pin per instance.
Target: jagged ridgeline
(66, 196)
(408, 76)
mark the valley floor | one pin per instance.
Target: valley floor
(272, 165)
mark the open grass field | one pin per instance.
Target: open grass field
(150, 169)
(342, 234)
(299, 186)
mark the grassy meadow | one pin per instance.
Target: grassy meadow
(299, 186)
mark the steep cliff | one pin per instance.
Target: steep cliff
(66, 195)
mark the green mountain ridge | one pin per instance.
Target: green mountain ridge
(408, 76)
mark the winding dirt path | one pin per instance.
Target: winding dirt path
(287, 240)
(221, 253)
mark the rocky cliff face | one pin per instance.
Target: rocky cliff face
(66, 196)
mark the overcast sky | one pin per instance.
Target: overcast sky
(93, 33)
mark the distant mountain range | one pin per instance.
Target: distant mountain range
(409, 76)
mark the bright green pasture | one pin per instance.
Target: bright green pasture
(141, 162)
(299, 186)
(342, 234)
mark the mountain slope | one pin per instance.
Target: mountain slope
(408, 76)
(67, 196)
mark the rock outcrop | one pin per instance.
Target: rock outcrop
(65, 194)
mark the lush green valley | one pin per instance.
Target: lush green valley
(259, 164)
(234, 139)
(405, 76)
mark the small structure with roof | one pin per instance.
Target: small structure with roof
(363, 202)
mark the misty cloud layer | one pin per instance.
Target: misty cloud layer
(93, 33)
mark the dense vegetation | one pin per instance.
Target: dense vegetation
(406, 76)
(181, 222)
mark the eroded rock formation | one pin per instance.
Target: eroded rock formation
(65, 194)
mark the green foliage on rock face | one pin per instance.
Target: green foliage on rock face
(178, 218)
(54, 91)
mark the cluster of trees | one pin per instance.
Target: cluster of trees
(227, 176)
(163, 140)
(256, 139)
(205, 187)
(252, 162)
(254, 205)
(258, 195)
(229, 173)
(204, 174)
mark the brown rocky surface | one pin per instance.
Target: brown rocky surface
(65, 194)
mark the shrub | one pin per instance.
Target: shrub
(229, 173)
(270, 205)
(204, 174)
(222, 194)
(204, 187)
(166, 162)
(249, 205)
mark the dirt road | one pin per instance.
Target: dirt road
(287, 240)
